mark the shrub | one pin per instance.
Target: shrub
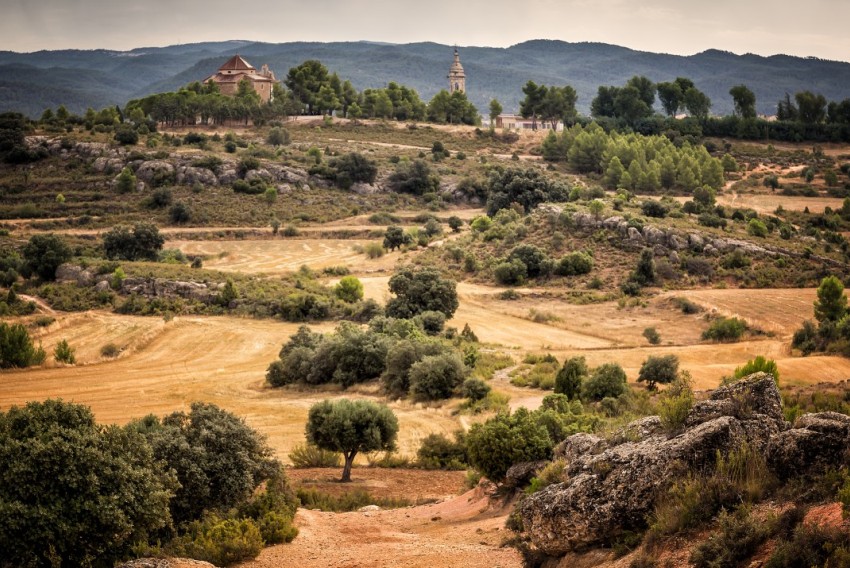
(348, 501)
(757, 228)
(161, 197)
(179, 213)
(436, 377)
(64, 353)
(607, 380)
(652, 335)
(414, 177)
(675, 404)
(474, 389)
(222, 542)
(534, 259)
(44, 253)
(432, 322)
(126, 181)
(737, 539)
(373, 250)
(455, 223)
(505, 440)
(218, 459)
(308, 455)
(16, 347)
(438, 452)
(353, 168)
(574, 264)
(110, 350)
(144, 243)
(758, 365)
(349, 289)
(569, 378)
(812, 545)
(511, 273)
(527, 187)
(278, 137)
(725, 330)
(652, 208)
(90, 493)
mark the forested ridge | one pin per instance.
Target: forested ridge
(31, 82)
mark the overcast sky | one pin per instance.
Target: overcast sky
(766, 27)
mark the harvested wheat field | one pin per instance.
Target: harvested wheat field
(215, 359)
(282, 256)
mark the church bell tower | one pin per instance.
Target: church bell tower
(457, 78)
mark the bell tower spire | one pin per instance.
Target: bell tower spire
(457, 77)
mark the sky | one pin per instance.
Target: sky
(814, 28)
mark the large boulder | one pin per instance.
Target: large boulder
(611, 485)
(815, 441)
(155, 171)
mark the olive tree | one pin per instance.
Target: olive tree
(661, 369)
(44, 253)
(351, 427)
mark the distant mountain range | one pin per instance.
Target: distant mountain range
(31, 82)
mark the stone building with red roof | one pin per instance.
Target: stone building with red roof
(235, 69)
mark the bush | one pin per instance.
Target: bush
(474, 389)
(126, 181)
(373, 250)
(432, 322)
(725, 330)
(534, 259)
(652, 208)
(179, 213)
(438, 452)
(527, 187)
(82, 494)
(812, 545)
(110, 350)
(574, 264)
(278, 137)
(349, 289)
(144, 243)
(737, 539)
(675, 405)
(44, 253)
(758, 365)
(218, 459)
(308, 455)
(757, 228)
(607, 380)
(353, 168)
(569, 379)
(455, 223)
(652, 335)
(436, 377)
(348, 501)
(16, 347)
(64, 353)
(511, 273)
(505, 440)
(222, 542)
(414, 177)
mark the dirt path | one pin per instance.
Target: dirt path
(461, 531)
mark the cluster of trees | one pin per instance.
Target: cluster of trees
(143, 242)
(205, 102)
(527, 187)
(529, 261)
(634, 101)
(634, 161)
(401, 348)
(13, 148)
(547, 104)
(76, 493)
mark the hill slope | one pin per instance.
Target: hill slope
(29, 82)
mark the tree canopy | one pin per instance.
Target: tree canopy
(351, 427)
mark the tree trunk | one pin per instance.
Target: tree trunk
(346, 470)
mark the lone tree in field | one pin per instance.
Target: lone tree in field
(831, 304)
(657, 369)
(351, 427)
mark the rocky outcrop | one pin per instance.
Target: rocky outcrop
(611, 485)
(815, 441)
(160, 287)
(154, 170)
(76, 274)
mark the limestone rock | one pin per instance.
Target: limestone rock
(74, 273)
(154, 169)
(520, 474)
(611, 485)
(816, 440)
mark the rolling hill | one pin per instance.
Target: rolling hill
(31, 82)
